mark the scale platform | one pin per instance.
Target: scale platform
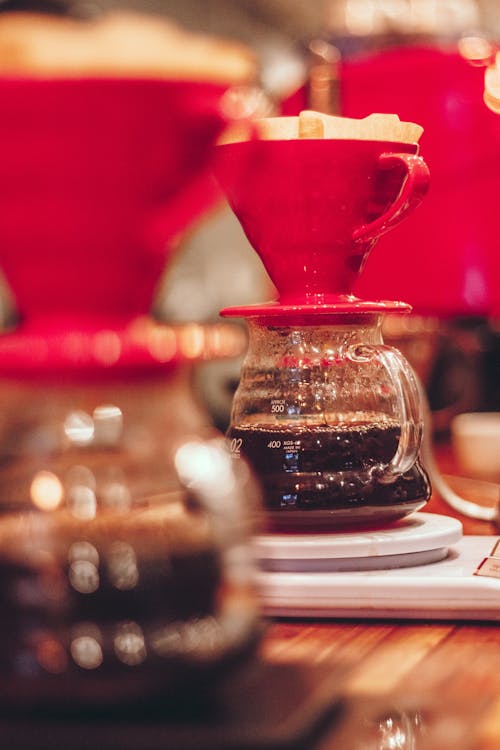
(419, 568)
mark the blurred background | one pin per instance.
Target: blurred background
(422, 59)
(119, 251)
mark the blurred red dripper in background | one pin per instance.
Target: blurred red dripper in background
(97, 178)
(443, 261)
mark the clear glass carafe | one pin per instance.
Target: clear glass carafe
(331, 420)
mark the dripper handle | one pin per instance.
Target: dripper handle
(413, 190)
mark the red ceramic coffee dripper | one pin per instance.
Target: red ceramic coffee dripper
(97, 178)
(314, 208)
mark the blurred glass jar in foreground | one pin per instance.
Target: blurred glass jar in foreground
(125, 567)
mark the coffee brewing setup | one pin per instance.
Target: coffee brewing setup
(329, 417)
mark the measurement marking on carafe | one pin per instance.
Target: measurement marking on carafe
(235, 446)
(278, 406)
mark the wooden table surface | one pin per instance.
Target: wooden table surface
(407, 685)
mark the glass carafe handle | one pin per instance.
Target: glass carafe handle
(410, 408)
(411, 413)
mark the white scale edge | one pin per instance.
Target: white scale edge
(417, 533)
(443, 590)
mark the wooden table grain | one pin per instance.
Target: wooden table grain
(404, 685)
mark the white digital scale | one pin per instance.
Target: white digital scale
(421, 567)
